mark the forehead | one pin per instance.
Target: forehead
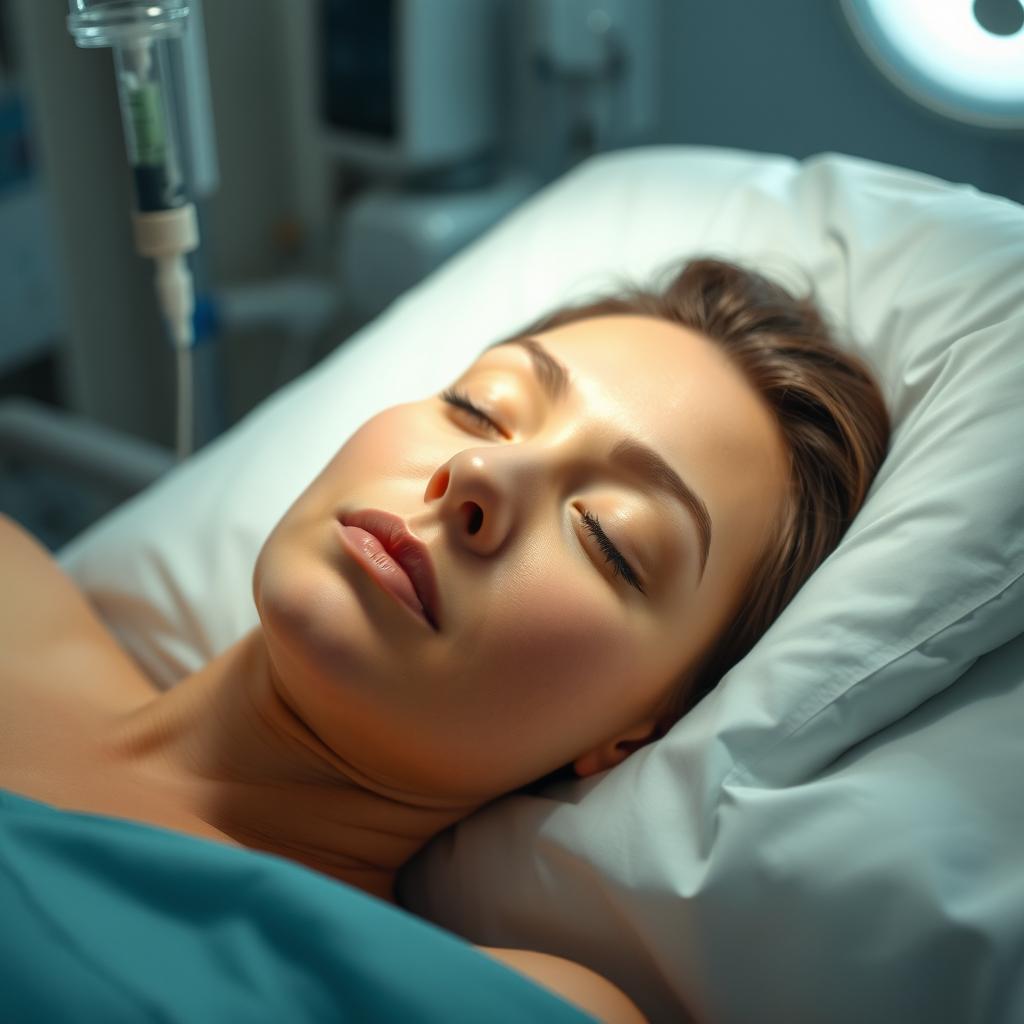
(673, 385)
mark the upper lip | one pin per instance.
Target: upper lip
(408, 551)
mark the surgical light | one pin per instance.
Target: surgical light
(961, 58)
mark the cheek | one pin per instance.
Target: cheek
(551, 640)
(384, 445)
(377, 452)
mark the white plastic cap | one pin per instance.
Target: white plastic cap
(167, 236)
(167, 232)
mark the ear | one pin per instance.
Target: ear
(615, 751)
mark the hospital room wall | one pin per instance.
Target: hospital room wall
(788, 77)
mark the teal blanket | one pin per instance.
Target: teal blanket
(107, 920)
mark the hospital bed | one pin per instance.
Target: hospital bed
(836, 833)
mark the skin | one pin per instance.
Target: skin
(345, 733)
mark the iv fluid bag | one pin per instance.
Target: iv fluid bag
(149, 128)
(140, 34)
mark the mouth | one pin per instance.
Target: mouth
(396, 559)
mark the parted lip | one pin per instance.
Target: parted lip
(408, 551)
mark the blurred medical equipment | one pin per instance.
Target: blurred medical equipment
(30, 314)
(964, 60)
(409, 98)
(408, 85)
(602, 55)
(146, 38)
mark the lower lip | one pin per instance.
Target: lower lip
(370, 553)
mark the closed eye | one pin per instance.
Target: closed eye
(460, 400)
(610, 551)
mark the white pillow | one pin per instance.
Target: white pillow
(745, 867)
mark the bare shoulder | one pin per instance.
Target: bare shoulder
(577, 984)
(34, 591)
(44, 614)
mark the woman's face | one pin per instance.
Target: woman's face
(547, 649)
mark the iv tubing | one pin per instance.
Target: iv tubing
(184, 432)
(166, 237)
(175, 294)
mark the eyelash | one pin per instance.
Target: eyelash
(610, 551)
(462, 401)
(622, 568)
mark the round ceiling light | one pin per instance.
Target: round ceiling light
(961, 58)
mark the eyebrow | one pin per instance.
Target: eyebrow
(629, 453)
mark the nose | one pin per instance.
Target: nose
(478, 490)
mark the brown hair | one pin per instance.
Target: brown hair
(830, 411)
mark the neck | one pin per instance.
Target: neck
(224, 747)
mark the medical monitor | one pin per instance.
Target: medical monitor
(408, 86)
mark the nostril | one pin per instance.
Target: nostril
(475, 517)
(437, 485)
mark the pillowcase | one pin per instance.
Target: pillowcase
(690, 858)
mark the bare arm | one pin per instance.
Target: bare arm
(575, 983)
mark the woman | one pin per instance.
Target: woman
(537, 571)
